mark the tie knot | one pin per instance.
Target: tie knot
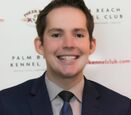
(66, 95)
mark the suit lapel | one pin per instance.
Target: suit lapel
(39, 99)
(90, 100)
(40, 102)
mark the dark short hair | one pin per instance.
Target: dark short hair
(41, 20)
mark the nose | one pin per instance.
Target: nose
(69, 42)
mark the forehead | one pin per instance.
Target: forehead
(66, 15)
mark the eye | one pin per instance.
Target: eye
(56, 35)
(79, 35)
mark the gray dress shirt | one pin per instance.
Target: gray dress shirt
(57, 102)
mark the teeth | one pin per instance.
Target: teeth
(67, 57)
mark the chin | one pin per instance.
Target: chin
(70, 74)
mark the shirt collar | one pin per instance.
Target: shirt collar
(54, 89)
(77, 90)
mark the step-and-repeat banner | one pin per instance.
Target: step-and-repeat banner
(110, 65)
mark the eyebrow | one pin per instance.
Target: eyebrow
(61, 30)
(80, 29)
(55, 29)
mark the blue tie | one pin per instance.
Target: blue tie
(66, 108)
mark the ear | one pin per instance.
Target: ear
(92, 45)
(38, 46)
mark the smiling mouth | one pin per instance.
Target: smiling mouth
(68, 57)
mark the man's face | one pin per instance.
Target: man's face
(66, 44)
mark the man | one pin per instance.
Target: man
(65, 40)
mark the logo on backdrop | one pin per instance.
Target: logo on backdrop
(101, 15)
(26, 63)
(30, 17)
(35, 63)
(110, 61)
(107, 15)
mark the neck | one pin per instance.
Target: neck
(65, 82)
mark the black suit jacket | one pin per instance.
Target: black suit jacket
(31, 98)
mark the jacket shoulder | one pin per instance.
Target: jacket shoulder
(19, 89)
(109, 98)
(107, 92)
